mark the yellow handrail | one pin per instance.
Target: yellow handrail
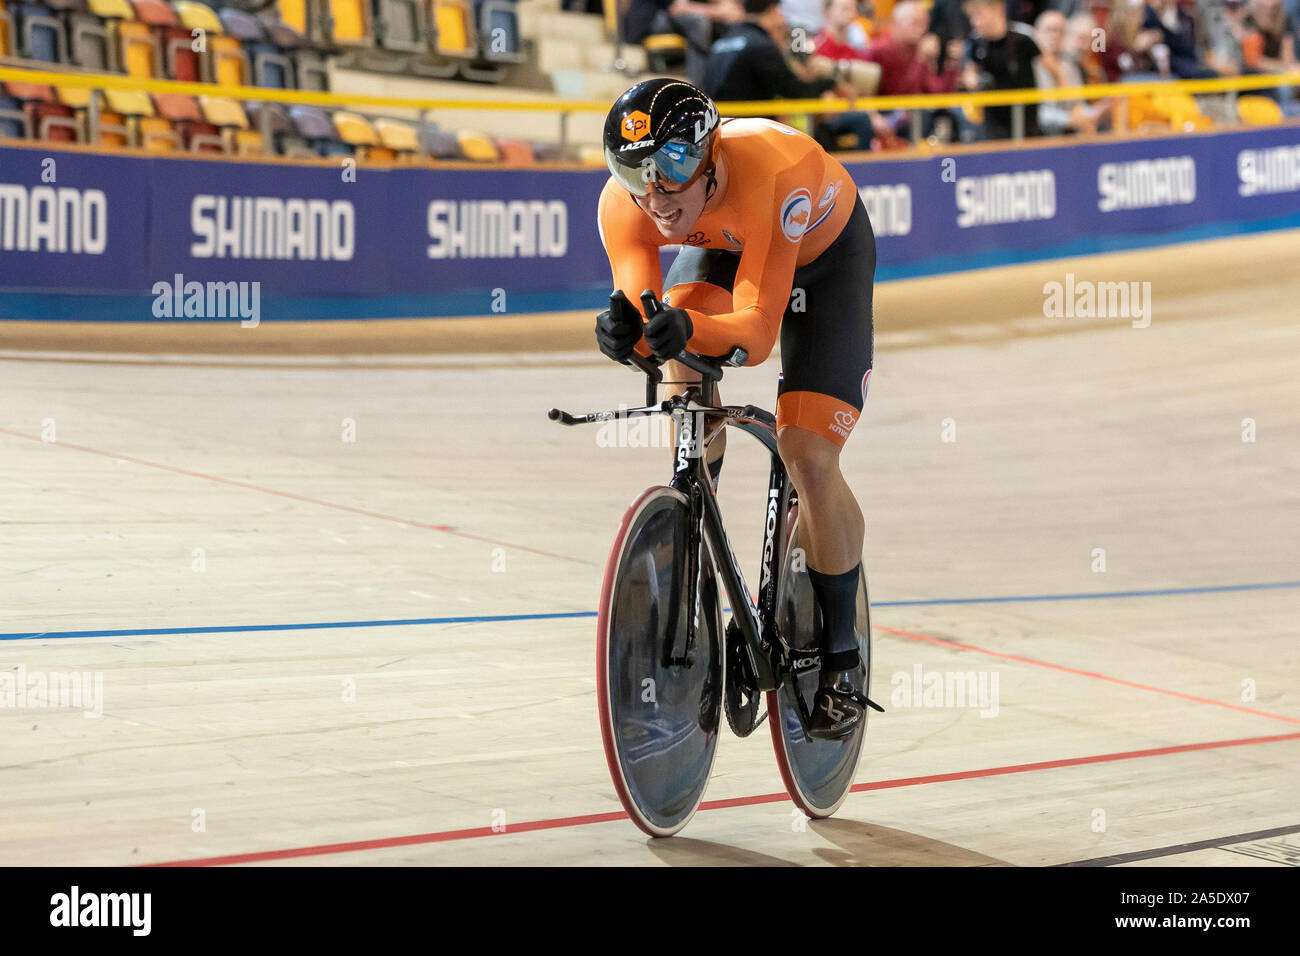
(748, 108)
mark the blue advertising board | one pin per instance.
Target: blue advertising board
(96, 237)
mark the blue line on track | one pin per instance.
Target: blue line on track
(562, 615)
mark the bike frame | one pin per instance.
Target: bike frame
(770, 658)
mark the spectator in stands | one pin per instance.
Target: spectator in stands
(863, 29)
(1218, 35)
(1057, 66)
(700, 22)
(1002, 57)
(909, 64)
(1175, 49)
(1274, 50)
(836, 41)
(948, 20)
(1026, 11)
(805, 16)
(1085, 42)
(1121, 60)
(747, 64)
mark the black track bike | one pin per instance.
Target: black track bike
(667, 668)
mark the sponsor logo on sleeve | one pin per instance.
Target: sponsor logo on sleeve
(796, 214)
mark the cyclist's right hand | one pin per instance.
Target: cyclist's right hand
(619, 328)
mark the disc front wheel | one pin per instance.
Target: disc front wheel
(659, 694)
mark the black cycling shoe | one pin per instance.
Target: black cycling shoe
(840, 704)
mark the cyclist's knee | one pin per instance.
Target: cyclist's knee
(812, 460)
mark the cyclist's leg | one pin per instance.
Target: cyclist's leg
(700, 279)
(826, 357)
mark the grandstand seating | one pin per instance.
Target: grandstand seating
(301, 44)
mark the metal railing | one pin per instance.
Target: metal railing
(1018, 100)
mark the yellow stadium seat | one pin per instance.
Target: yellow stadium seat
(1258, 111)
(112, 130)
(353, 129)
(199, 16)
(397, 137)
(454, 23)
(140, 54)
(351, 22)
(1175, 102)
(664, 43)
(229, 62)
(76, 97)
(157, 135)
(112, 9)
(129, 102)
(224, 112)
(477, 146)
(6, 33)
(293, 13)
(591, 156)
(248, 142)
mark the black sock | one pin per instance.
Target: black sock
(837, 595)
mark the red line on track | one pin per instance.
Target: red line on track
(446, 836)
(445, 529)
(1072, 670)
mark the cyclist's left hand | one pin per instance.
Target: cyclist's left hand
(668, 331)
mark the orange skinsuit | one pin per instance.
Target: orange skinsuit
(787, 200)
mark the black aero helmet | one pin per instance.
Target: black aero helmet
(661, 131)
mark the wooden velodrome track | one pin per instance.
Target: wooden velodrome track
(450, 560)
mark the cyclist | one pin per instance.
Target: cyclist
(773, 238)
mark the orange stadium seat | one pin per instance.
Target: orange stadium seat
(6, 33)
(183, 113)
(515, 152)
(1258, 111)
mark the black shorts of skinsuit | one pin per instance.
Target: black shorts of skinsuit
(827, 332)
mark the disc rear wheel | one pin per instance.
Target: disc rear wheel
(817, 773)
